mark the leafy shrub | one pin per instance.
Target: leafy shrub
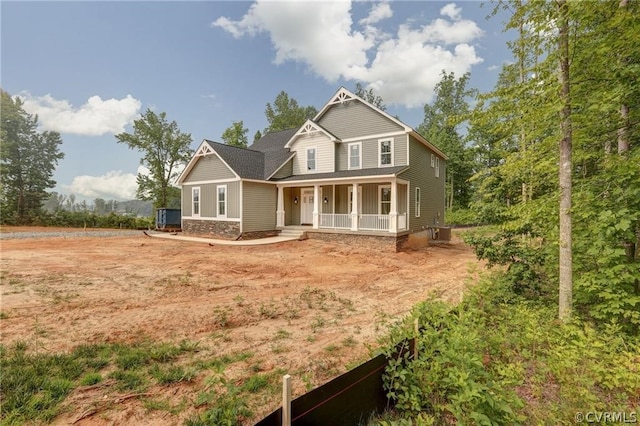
(479, 362)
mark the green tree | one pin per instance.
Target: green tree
(441, 127)
(579, 213)
(165, 148)
(236, 135)
(28, 159)
(257, 135)
(286, 113)
(370, 96)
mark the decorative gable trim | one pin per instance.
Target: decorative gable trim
(203, 150)
(343, 95)
(310, 128)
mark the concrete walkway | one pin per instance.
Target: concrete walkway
(256, 242)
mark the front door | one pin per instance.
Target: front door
(306, 207)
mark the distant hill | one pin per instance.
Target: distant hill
(137, 207)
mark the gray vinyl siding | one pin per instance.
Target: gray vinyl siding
(208, 193)
(285, 171)
(291, 210)
(422, 175)
(353, 119)
(369, 198)
(209, 167)
(402, 198)
(259, 203)
(370, 152)
(327, 192)
(186, 200)
(325, 154)
(342, 199)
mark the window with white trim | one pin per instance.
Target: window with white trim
(221, 201)
(311, 159)
(433, 161)
(355, 156)
(384, 206)
(385, 147)
(437, 167)
(417, 202)
(195, 201)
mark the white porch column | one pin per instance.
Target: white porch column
(354, 207)
(393, 213)
(316, 206)
(280, 208)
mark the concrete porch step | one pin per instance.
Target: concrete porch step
(293, 233)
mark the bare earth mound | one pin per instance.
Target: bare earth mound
(308, 308)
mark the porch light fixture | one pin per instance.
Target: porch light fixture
(295, 200)
(326, 200)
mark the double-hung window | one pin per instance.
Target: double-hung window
(311, 159)
(195, 201)
(437, 167)
(386, 152)
(355, 155)
(221, 201)
(417, 202)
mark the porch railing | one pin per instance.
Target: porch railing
(374, 222)
(366, 222)
(339, 221)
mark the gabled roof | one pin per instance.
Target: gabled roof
(344, 95)
(273, 147)
(205, 148)
(246, 163)
(308, 128)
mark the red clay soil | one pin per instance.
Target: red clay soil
(285, 303)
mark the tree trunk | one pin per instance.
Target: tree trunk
(565, 255)
(623, 131)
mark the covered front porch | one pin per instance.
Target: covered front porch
(379, 206)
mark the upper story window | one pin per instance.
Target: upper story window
(355, 155)
(311, 159)
(222, 201)
(433, 160)
(195, 201)
(386, 152)
(437, 166)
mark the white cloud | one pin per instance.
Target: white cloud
(379, 11)
(95, 118)
(452, 11)
(113, 185)
(402, 67)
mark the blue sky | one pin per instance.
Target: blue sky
(88, 69)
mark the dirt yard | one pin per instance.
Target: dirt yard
(308, 308)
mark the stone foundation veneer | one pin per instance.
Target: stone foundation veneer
(258, 234)
(392, 244)
(212, 228)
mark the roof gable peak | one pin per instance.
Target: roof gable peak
(310, 128)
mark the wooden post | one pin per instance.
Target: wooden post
(286, 400)
(415, 344)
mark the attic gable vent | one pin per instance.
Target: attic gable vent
(204, 150)
(308, 129)
(342, 97)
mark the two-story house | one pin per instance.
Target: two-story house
(353, 172)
